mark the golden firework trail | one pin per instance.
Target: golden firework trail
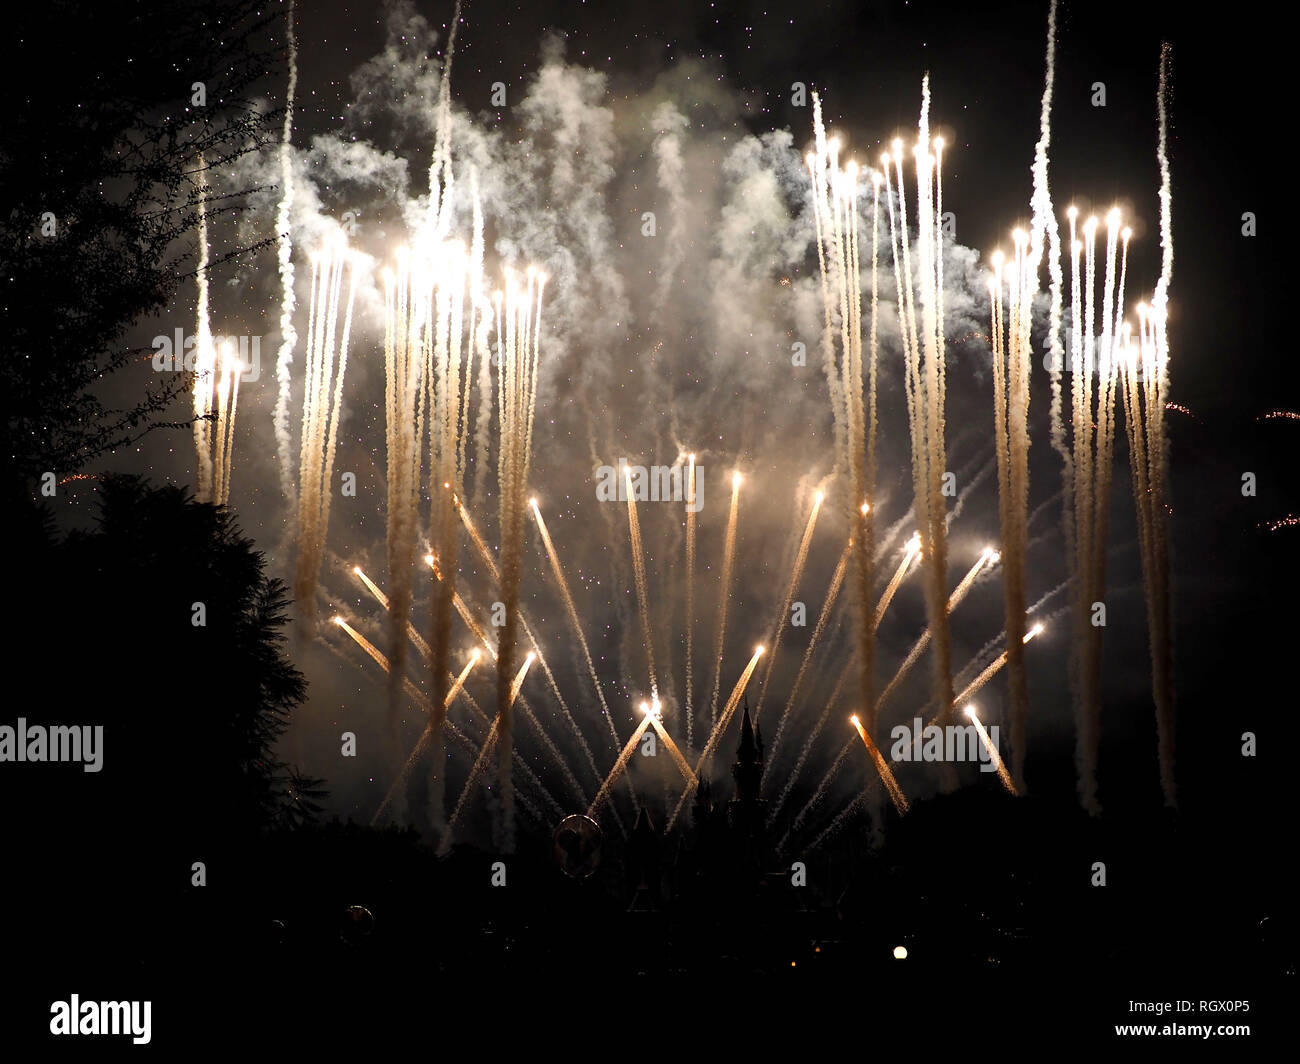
(1012, 358)
(783, 614)
(619, 766)
(719, 730)
(678, 759)
(992, 752)
(828, 605)
(493, 740)
(991, 670)
(886, 776)
(518, 350)
(691, 509)
(642, 595)
(1090, 465)
(572, 610)
(920, 307)
(326, 364)
(728, 564)
(988, 558)
(486, 554)
(473, 625)
(425, 737)
(835, 210)
(891, 589)
(284, 249)
(811, 738)
(1145, 403)
(543, 735)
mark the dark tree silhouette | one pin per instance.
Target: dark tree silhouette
(190, 712)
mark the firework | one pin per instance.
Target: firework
(691, 509)
(284, 249)
(800, 560)
(987, 559)
(728, 562)
(642, 595)
(326, 364)
(572, 610)
(719, 729)
(887, 776)
(992, 751)
(835, 210)
(837, 579)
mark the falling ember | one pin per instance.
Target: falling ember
(991, 751)
(886, 775)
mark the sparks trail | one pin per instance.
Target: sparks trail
(818, 794)
(808, 744)
(691, 508)
(891, 784)
(1088, 470)
(728, 562)
(425, 736)
(216, 382)
(1003, 775)
(493, 739)
(783, 614)
(427, 654)
(837, 579)
(642, 594)
(989, 558)
(835, 209)
(574, 621)
(326, 364)
(486, 555)
(719, 729)
(921, 326)
(895, 581)
(619, 765)
(991, 670)
(467, 615)
(521, 312)
(284, 231)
